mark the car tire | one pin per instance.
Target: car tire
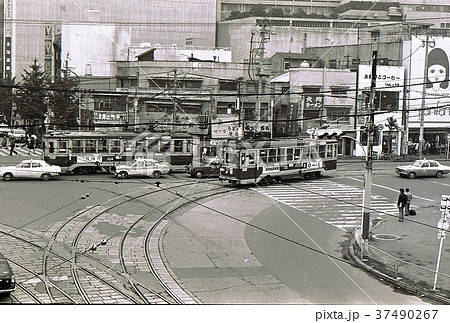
(123, 175)
(156, 174)
(199, 174)
(8, 176)
(411, 175)
(45, 176)
(439, 174)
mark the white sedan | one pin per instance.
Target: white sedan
(422, 167)
(143, 167)
(30, 169)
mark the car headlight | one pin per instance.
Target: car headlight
(13, 279)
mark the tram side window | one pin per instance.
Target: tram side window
(152, 145)
(114, 146)
(314, 152)
(91, 146)
(77, 146)
(289, 154)
(263, 155)
(306, 152)
(178, 146)
(272, 155)
(251, 158)
(165, 146)
(188, 146)
(102, 147)
(297, 153)
(322, 151)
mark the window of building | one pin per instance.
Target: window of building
(338, 114)
(228, 85)
(339, 90)
(159, 83)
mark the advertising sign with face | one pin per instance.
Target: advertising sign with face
(436, 78)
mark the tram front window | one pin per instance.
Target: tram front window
(230, 158)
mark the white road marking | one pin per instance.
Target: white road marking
(391, 189)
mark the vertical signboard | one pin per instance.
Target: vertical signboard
(437, 93)
(7, 39)
(48, 47)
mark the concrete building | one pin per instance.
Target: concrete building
(87, 36)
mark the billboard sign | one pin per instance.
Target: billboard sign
(389, 78)
(437, 86)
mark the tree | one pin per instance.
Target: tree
(31, 99)
(392, 126)
(63, 103)
(6, 99)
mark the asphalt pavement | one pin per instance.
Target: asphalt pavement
(409, 255)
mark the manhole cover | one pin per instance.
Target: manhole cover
(386, 236)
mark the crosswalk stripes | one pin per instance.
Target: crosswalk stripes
(21, 152)
(337, 204)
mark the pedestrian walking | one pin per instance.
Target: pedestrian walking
(32, 144)
(401, 203)
(12, 144)
(409, 197)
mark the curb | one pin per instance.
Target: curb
(420, 292)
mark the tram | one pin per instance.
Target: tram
(267, 161)
(84, 152)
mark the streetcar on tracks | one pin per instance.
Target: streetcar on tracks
(267, 161)
(87, 152)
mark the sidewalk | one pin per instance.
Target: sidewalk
(405, 254)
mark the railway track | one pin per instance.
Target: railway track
(80, 266)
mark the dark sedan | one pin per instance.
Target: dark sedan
(7, 280)
(202, 169)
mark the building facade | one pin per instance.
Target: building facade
(88, 36)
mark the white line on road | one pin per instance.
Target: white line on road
(391, 189)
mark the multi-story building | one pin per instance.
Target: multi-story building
(88, 36)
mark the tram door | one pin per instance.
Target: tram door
(248, 164)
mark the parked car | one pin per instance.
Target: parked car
(143, 167)
(30, 169)
(422, 167)
(204, 168)
(7, 280)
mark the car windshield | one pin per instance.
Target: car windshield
(417, 163)
(3, 267)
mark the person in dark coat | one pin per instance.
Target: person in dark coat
(12, 144)
(401, 203)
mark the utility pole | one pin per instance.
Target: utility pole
(370, 127)
(424, 90)
(264, 33)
